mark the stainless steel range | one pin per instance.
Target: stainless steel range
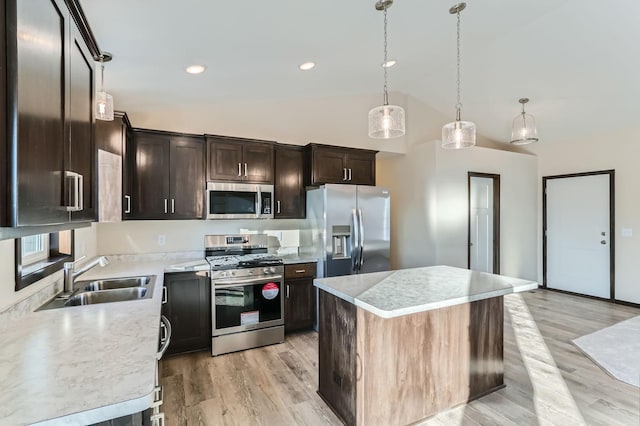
(246, 293)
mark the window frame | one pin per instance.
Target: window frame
(38, 256)
(53, 263)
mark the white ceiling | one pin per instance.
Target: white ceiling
(578, 60)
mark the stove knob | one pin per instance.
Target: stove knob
(267, 270)
(272, 270)
(231, 273)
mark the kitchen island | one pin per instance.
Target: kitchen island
(396, 347)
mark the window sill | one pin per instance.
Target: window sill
(40, 270)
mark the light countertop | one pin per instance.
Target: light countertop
(83, 364)
(394, 293)
(295, 259)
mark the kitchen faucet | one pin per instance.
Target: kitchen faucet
(70, 273)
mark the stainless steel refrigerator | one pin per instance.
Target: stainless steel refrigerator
(350, 228)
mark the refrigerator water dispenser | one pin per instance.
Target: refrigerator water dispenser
(341, 238)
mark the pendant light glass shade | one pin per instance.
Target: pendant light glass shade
(386, 121)
(103, 101)
(458, 134)
(104, 106)
(523, 129)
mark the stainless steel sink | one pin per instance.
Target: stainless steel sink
(107, 296)
(104, 291)
(116, 283)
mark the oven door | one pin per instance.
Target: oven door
(239, 201)
(246, 304)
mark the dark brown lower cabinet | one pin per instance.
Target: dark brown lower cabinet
(300, 297)
(188, 308)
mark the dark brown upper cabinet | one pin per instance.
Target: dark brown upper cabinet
(332, 164)
(49, 115)
(167, 174)
(290, 197)
(239, 160)
(80, 143)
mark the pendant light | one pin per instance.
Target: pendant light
(523, 130)
(104, 101)
(458, 134)
(386, 121)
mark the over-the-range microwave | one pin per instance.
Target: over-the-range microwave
(239, 201)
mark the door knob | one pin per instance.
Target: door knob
(603, 242)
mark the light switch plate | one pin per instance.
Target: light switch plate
(627, 232)
(162, 240)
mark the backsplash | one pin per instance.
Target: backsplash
(139, 237)
(31, 303)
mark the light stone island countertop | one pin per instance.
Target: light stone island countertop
(395, 293)
(83, 364)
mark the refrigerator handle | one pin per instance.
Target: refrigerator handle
(361, 234)
(355, 240)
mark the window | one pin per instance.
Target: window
(35, 248)
(38, 256)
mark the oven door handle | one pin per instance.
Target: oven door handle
(238, 283)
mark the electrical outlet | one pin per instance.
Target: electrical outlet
(162, 240)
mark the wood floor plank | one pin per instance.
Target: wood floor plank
(173, 401)
(548, 380)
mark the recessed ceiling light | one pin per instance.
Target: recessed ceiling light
(389, 63)
(195, 69)
(307, 66)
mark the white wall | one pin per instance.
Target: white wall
(618, 150)
(331, 120)
(429, 198)
(85, 245)
(411, 180)
(518, 207)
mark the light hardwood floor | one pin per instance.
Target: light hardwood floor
(548, 380)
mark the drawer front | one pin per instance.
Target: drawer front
(299, 270)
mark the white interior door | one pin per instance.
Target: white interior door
(481, 224)
(578, 235)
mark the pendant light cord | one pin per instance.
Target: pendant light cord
(384, 64)
(458, 104)
(101, 73)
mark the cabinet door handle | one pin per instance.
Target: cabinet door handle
(239, 169)
(166, 206)
(287, 291)
(173, 205)
(300, 271)
(349, 174)
(76, 190)
(157, 419)
(128, 199)
(245, 169)
(80, 192)
(165, 296)
(278, 206)
(344, 171)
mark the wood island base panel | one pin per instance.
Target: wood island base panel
(398, 371)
